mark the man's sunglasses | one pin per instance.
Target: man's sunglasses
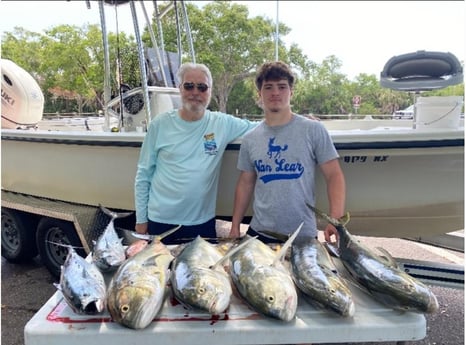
(200, 86)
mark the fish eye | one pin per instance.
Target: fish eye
(201, 290)
(124, 308)
(271, 298)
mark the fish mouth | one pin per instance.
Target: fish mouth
(432, 305)
(94, 307)
(115, 261)
(219, 304)
(349, 312)
(288, 312)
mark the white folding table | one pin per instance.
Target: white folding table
(56, 324)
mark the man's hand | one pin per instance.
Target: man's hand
(141, 228)
(234, 232)
(329, 232)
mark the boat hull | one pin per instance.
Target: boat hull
(399, 184)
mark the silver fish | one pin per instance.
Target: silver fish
(137, 290)
(82, 285)
(108, 252)
(316, 276)
(379, 275)
(263, 281)
(199, 279)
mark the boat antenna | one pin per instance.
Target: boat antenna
(159, 16)
(107, 88)
(178, 33)
(276, 34)
(142, 65)
(119, 71)
(188, 31)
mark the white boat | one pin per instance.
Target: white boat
(404, 178)
(401, 182)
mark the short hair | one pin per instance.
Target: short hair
(190, 66)
(276, 70)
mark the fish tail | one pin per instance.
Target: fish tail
(112, 214)
(335, 222)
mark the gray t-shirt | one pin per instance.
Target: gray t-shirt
(285, 159)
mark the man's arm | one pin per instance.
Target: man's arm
(243, 195)
(336, 193)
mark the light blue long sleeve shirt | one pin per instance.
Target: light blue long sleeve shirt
(179, 166)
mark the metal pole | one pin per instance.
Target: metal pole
(159, 17)
(154, 43)
(107, 88)
(276, 35)
(142, 65)
(178, 34)
(188, 31)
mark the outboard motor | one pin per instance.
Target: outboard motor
(22, 98)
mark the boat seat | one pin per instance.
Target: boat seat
(421, 71)
(171, 64)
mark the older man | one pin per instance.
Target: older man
(179, 164)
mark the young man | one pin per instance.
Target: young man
(278, 160)
(179, 164)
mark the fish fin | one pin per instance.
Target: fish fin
(388, 257)
(281, 254)
(352, 282)
(275, 235)
(166, 233)
(332, 249)
(232, 251)
(114, 215)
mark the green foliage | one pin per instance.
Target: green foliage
(67, 61)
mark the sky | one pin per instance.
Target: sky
(363, 35)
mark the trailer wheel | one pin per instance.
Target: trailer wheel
(18, 243)
(53, 236)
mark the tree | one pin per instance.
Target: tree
(230, 44)
(67, 62)
(23, 47)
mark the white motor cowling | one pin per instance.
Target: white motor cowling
(22, 98)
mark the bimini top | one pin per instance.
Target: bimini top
(421, 71)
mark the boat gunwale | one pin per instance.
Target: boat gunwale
(343, 140)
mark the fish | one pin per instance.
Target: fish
(379, 274)
(316, 276)
(198, 277)
(137, 290)
(108, 252)
(262, 279)
(82, 285)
